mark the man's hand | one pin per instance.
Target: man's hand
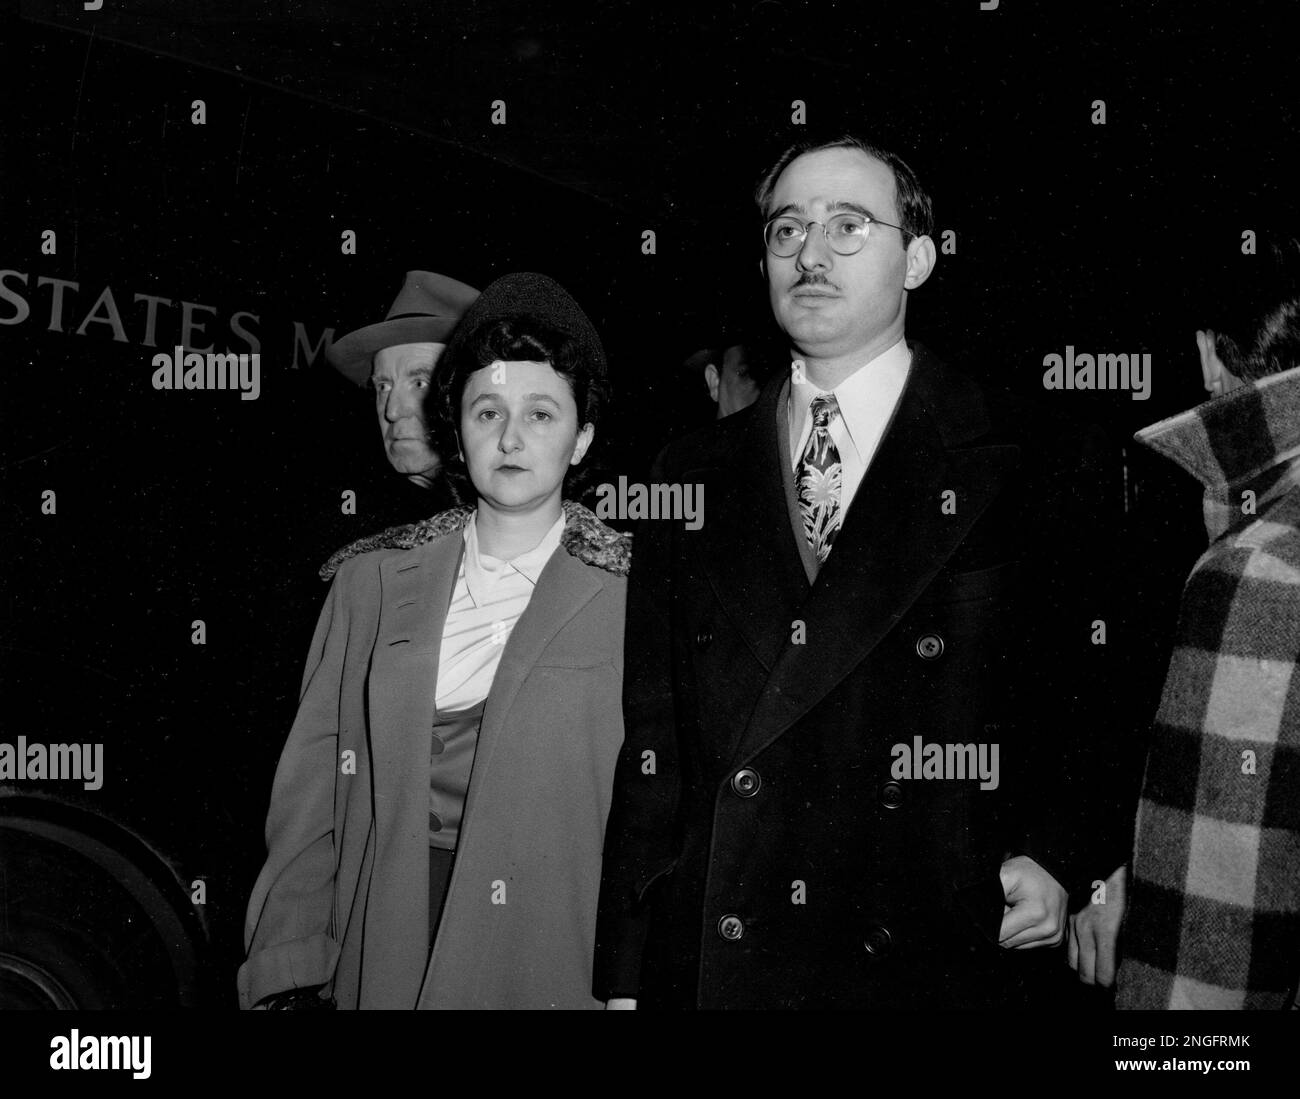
(620, 1005)
(1094, 931)
(1036, 906)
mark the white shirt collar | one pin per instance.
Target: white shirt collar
(483, 572)
(871, 388)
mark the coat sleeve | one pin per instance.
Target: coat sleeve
(639, 834)
(1213, 918)
(288, 933)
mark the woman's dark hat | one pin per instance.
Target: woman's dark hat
(426, 310)
(541, 298)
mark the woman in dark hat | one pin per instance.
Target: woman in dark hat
(438, 813)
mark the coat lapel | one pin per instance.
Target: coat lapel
(894, 540)
(750, 555)
(564, 587)
(416, 590)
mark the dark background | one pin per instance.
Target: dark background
(375, 116)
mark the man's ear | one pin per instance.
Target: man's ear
(921, 258)
(712, 380)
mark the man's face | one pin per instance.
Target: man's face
(832, 305)
(401, 377)
(735, 389)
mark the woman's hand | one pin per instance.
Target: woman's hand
(1094, 932)
(296, 999)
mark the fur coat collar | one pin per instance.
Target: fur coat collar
(585, 537)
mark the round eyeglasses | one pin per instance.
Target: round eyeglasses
(845, 233)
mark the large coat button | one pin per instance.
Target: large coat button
(704, 638)
(731, 928)
(878, 940)
(891, 795)
(745, 783)
(929, 646)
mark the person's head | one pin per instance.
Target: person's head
(831, 300)
(401, 377)
(521, 388)
(1259, 319)
(731, 384)
(396, 358)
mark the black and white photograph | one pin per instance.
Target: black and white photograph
(755, 507)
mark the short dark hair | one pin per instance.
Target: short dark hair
(517, 338)
(916, 212)
(1277, 347)
(1261, 313)
(759, 361)
(696, 362)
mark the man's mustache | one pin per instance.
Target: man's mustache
(813, 279)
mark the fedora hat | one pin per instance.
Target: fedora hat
(426, 310)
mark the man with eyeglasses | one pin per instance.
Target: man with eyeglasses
(810, 809)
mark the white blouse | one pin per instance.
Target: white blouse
(490, 596)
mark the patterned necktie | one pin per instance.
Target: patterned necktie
(820, 474)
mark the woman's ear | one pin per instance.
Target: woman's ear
(585, 438)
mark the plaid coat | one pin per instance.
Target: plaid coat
(1214, 910)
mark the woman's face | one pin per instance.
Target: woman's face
(519, 431)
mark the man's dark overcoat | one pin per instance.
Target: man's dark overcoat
(761, 851)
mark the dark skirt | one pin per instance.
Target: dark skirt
(451, 758)
(440, 862)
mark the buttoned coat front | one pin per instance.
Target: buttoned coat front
(343, 897)
(763, 851)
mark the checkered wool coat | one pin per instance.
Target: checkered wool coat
(1214, 910)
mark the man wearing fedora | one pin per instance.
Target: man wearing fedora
(397, 357)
